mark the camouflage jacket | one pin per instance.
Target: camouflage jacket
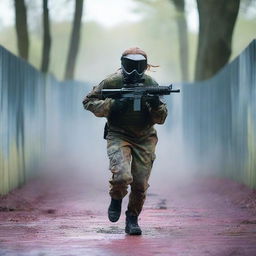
(130, 124)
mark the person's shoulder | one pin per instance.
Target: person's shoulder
(149, 81)
(114, 80)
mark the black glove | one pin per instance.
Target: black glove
(120, 105)
(154, 102)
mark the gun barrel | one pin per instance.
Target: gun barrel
(178, 90)
(161, 90)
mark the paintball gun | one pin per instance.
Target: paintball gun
(136, 92)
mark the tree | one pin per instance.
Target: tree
(46, 38)
(183, 37)
(21, 28)
(74, 40)
(179, 5)
(216, 24)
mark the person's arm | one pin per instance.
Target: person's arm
(99, 108)
(158, 109)
(159, 113)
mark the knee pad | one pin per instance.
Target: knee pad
(122, 178)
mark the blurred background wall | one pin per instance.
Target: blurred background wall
(219, 120)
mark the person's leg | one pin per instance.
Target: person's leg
(141, 168)
(119, 153)
(143, 156)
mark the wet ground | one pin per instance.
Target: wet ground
(207, 216)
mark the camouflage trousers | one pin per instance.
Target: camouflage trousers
(131, 163)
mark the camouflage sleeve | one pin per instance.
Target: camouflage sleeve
(99, 108)
(159, 115)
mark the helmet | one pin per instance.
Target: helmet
(133, 64)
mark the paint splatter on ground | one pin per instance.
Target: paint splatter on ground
(67, 216)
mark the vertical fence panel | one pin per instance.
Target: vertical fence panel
(219, 119)
(37, 119)
(22, 111)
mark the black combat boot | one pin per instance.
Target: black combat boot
(132, 227)
(114, 210)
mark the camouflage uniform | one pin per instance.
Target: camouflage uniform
(131, 141)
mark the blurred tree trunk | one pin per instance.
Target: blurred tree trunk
(21, 28)
(183, 37)
(46, 38)
(74, 41)
(216, 24)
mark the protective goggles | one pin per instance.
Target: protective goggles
(134, 63)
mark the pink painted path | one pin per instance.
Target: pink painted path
(202, 217)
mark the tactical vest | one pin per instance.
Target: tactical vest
(129, 120)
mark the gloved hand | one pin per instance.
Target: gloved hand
(154, 102)
(120, 105)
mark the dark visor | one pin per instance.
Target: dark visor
(130, 65)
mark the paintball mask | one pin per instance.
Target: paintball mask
(133, 67)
